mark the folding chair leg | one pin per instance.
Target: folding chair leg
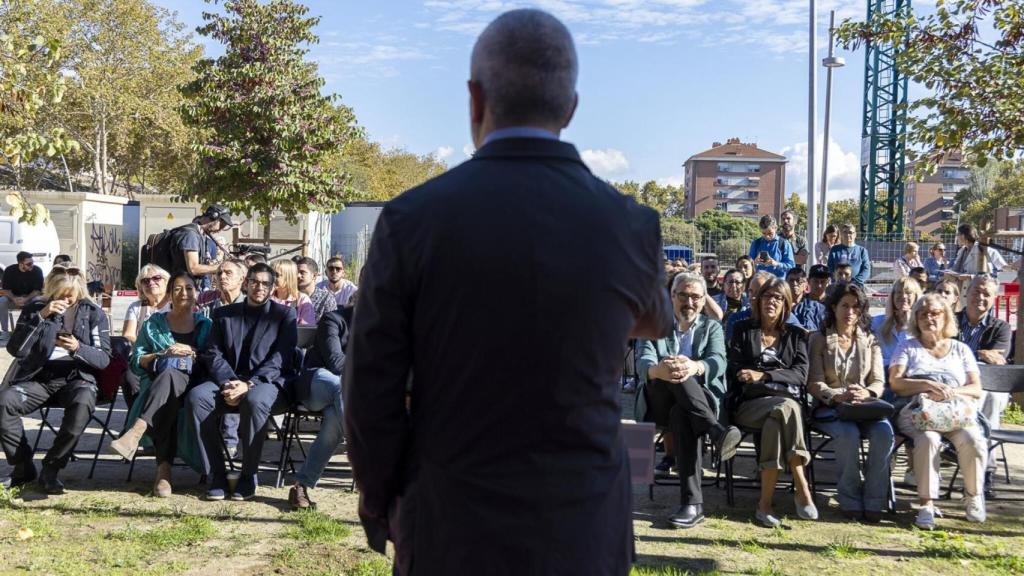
(730, 494)
(650, 492)
(1006, 464)
(45, 415)
(131, 467)
(104, 432)
(949, 489)
(285, 447)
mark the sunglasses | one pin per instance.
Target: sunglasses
(69, 270)
(153, 280)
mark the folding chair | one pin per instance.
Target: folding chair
(101, 420)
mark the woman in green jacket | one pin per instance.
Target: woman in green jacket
(163, 359)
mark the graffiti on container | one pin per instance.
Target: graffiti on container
(104, 254)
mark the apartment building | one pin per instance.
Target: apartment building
(736, 177)
(932, 201)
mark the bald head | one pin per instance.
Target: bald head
(523, 73)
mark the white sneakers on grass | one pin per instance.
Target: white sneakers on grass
(975, 507)
(925, 518)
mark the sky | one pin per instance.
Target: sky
(660, 80)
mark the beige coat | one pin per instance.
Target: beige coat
(823, 382)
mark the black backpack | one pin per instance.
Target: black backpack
(158, 249)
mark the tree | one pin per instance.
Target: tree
(843, 212)
(269, 140)
(975, 105)
(798, 206)
(730, 249)
(32, 87)
(718, 226)
(676, 231)
(668, 200)
(380, 175)
(998, 185)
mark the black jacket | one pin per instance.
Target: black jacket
(996, 336)
(506, 290)
(34, 338)
(744, 352)
(271, 351)
(328, 351)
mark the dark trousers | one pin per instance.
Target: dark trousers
(205, 405)
(690, 416)
(77, 398)
(160, 411)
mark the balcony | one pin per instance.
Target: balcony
(737, 181)
(736, 194)
(738, 168)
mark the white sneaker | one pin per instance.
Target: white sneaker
(975, 507)
(925, 518)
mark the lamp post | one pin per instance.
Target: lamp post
(812, 91)
(831, 62)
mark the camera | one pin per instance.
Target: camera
(243, 249)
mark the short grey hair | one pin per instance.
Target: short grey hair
(767, 221)
(689, 278)
(983, 279)
(525, 63)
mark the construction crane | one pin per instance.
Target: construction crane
(883, 142)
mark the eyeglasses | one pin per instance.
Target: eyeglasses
(70, 271)
(28, 263)
(777, 298)
(153, 280)
(261, 283)
(685, 296)
(932, 313)
(735, 282)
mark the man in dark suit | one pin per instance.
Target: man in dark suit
(508, 457)
(248, 357)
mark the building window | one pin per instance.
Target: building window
(956, 173)
(738, 168)
(736, 194)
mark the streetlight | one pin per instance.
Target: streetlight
(812, 129)
(830, 63)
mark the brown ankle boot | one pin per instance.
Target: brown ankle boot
(162, 486)
(128, 443)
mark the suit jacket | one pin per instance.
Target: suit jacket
(505, 290)
(745, 350)
(708, 347)
(270, 355)
(328, 351)
(823, 381)
(34, 338)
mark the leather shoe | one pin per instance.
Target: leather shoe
(21, 475)
(687, 516)
(49, 482)
(298, 498)
(246, 490)
(990, 485)
(727, 439)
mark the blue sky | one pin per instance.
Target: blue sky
(660, 80)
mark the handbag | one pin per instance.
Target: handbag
(866, 411)
(956, 413)
(183, 363)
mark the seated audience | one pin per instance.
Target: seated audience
(988, 337)
(893, 328)
(949, 290)
(248, 360)
(230, 276)
(936, 264)
(770, 252)
(709, 270)
(818, 281)
(852, 254)
(307, 272)
(61, 342)
(767, 368)
(336, 283)
(846, 368)
(21, 284)
(745, 264)
(286, 292)
(910, 259)
(255, 258)
(682, 381)
(733, 296)
(753, 286)
(828, 239)
(151, 282)
(920, 274)
(843, 272)
(164, 361)
(809, 313)
(936, 365)
(62, 260)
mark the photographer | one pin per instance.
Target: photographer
(188, 251)
(770, 252)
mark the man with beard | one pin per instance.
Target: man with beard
(709, 270)
(787, 230)
(684, 379)
(323, 301)
(732, 298)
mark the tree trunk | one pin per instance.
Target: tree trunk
(67, 174)
(97, 173)
(103, 161)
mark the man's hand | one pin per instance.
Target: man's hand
(233, 392)
(994, 357)
(674, 369)
(68, 342)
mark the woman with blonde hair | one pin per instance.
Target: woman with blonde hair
(949, 290)
(935, 366)
(911, 259)
(151, 282)
(892, 329)
(61, 342)
(286, 291)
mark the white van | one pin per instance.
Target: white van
(40, 239)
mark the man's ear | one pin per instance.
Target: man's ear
(476, 102)
(575, 103)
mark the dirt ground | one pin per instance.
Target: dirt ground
(109, 525)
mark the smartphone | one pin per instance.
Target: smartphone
(63, 334)
(763, 256)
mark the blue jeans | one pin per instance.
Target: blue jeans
(853, 494)
(325, 397)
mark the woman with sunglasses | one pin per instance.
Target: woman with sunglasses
(151, 283)
(61, 343)
(163, 359)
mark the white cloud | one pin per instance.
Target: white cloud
(843, 171)
(443, 153)
(674, 180)
(607, 162)
(468, 150)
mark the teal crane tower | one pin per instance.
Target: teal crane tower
(883, 137)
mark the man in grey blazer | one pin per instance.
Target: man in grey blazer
(682, 386)
(507, 457)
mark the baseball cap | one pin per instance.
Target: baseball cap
(819, 271)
